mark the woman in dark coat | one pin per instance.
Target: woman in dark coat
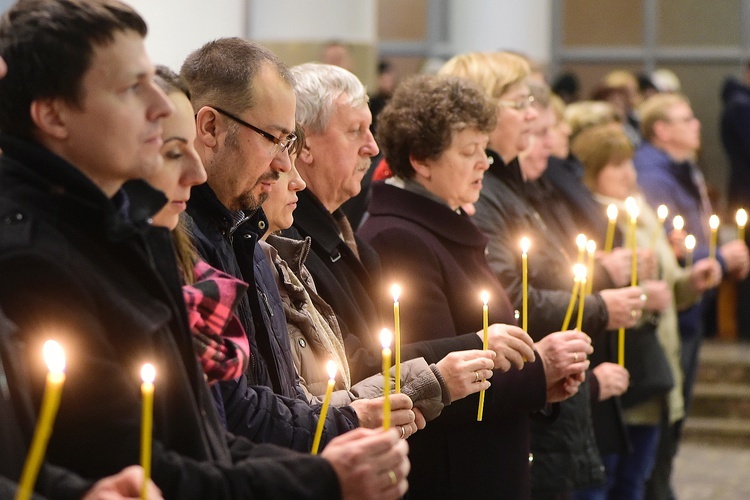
(434, 133)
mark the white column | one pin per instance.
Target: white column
(489, 25)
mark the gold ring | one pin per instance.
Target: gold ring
(392, 476)
(476, 376)
(633, 313)
(575, 357)
(403, 432)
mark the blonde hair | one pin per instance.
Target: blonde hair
(585, 114)
(598, 146)
(655, 109)
(495, 72)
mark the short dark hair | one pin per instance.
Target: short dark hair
(170, 82)
(48, 46)
(422, 115)
(221, 73)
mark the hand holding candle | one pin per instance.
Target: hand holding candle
(331, 369)
(55, 359)
(713, 223)
(396, 292)
(485, 344)
(741, 219)
(689, 246)
(612, 216)
(525, 244)
(148, 373)
(385, 340)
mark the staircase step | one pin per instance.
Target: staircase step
(721, 400)
(724, 362)
(717, 431)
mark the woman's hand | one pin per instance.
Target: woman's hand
(613, 380)
(511, 344)
(466, 372)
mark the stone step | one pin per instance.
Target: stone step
(721, 400)
(726, 362)
(717, 431)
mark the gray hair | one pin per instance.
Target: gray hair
(317, 86)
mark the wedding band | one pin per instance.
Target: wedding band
(575, 357)
(403, 432)
(392, 476)
(633, 313)
(643, 297)
(476, 376)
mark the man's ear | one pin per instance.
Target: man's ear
(305, 156)
(421, 167)
(660, 130)
(48, 115)
(207, 126)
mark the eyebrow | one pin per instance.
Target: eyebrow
(176, 138)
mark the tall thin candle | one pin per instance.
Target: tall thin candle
(148, 373)
(581, 244)
(591, 251)
(612, 216)
(661, 214)
(678, 223)
(385, 340)
(331, 369)
(741, 219)
(485, 344)
(573, 295)
(689, 247)
(713, 223)
(396, 292)
(634, 245)
(525, 244)
(581, 300)
(55, 359)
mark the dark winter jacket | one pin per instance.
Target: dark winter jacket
(97, 276)
(735, 137)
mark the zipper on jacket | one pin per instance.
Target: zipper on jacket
(265, 301)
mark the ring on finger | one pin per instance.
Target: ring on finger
(476, 376)
(575, 357)
(392, 477)
(403, 432)
(633, 313)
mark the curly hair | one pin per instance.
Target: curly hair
(424, 112)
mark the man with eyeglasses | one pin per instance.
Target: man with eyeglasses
(245, 105)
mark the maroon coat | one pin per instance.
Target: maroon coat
(437, 255)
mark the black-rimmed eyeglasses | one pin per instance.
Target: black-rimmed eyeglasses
(280, 145)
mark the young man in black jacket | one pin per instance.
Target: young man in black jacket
(81, 263)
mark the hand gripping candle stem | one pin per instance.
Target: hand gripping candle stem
(385, 340)
(525, 244)
(55, 359)
(396, 292)
(573, 295)
(485, 344)
(610, 238)
(741, 219)
(331, 369)
(148, 374)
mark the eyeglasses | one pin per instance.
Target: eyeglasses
(519, 104)
(280, 145)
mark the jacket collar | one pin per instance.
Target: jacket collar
(312, 218)
(510, 174)
(293, 252)
(205, 206)
(436, 217)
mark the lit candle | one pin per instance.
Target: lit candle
(148, 373)
(581, 299)
(581, 243)
(331, 369)
(633, 211)
(591, 250)
(485, 344)
(612, 216)
(385, 340)
(713, 223)
(577, 273)
(741, 223)
(661, 214)
(55, 359)
(689, 246)
(678, 222)
(525, 244)
(396, 292)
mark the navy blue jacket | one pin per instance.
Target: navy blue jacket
(735, 137)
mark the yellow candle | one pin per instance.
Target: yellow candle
(689, 247)
(331, 369)
(573, 296)
(581, 244)
(741, 219)
(591, 250)
(621, 346)
(713, 223)
(581, 300)
(385, 340)
(634, 245)
(661, 214)
(612, 216)
(485, 344)
(678, 222)
(396, 292)
(55, 359)
(148, 373)
(525, 244)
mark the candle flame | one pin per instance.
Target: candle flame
(629, 204)
(396, 292)
(579, 270)
(612, 212)
(54, 356)
(741, 217)
(581, 241)
(386, 337)
(634, 212)
(148, 373)
(525, 244)
(485, 296)
(713, 222)
(678, 223)
(591, 246)
(331, 369)
(662, 212)
(690, 242)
